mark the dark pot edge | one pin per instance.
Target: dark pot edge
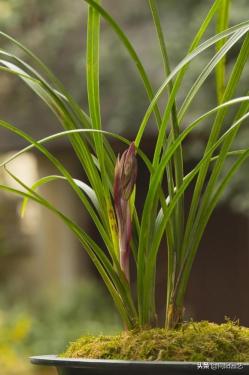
(54, 360)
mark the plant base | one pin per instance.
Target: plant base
(192, 342)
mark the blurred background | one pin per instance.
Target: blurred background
(49, 291)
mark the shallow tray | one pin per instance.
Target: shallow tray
(68, 366)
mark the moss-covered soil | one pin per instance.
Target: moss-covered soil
(201, 341)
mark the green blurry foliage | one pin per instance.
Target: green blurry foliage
(14, 330)
(48, 321)
(62, 317)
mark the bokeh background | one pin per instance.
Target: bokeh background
(49, 291)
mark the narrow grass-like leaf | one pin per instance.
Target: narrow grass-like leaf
(151, 259)
(99, 259)
(131, 50)
(69, 178)
(238, 68)
(57, 106)
(208, 69)
(178, 158)
(184, 276)
(154, 186)
(222, 24)
(44, 180)
(92, 65)
(230, 43)
(161, 214)
(184, 62)
(216, 128)
(144, 240)
(59, 90)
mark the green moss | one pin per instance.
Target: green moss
(201, 341)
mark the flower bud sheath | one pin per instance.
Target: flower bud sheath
(124, 182)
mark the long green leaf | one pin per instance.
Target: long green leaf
(208, 69)
(178, 158)
(44, 180)
(222, 24)
(78, 112)
(131, 50)
(54, 102)
(216, 128)
(183, 277)
(184, 62)
(98, 257)
(145, 241)
(151, 259)
(69, 178)
(146, 219)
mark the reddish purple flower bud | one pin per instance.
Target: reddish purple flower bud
(125, 173)
(124, 181)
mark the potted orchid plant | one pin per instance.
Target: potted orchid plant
(109, 197)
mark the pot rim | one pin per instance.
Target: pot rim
(54, 360)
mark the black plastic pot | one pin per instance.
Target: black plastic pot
(66, 366)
